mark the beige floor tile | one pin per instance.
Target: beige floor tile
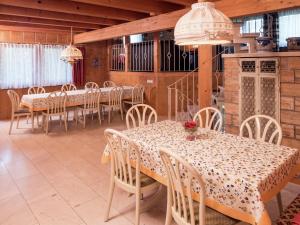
(21, 168)
(53, 210)
(14, 211)
(35, 188)
(92, 213)
(7, 187)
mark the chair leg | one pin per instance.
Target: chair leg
(66, 121)
(84, 120)
(279, 202)
(99, 116)
(121, 109)
(32, 121)
(110, 197)
(18, 121)
(169, 210)
(11, 124)
(60, 120)
(109, 112)
(47, 124)
(137, 206)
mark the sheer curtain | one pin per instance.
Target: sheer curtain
(288, 25)
(25, 65)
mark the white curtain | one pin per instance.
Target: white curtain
(253, 24)
(25, 65)
(288, 25)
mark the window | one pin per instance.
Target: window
(252, 24)
(288, 25)
(25, 65)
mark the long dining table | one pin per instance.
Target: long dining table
(241, 174)
(38, 102)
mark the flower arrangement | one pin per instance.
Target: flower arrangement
(190, 126)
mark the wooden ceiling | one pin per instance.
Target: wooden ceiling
(82, 15)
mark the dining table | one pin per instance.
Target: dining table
(241, 174)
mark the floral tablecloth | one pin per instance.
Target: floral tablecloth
(37, 102)
(237, 171)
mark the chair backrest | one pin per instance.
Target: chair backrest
(36, 90)
(109, 83)
(92, 98)
(115, 96)
(210, 118)
(122, 151)
(140, 115)
(56, 102)
(137, 94)
(182, 177)
(14, 99)
(262, 127)
(68, 87)
(91, 85)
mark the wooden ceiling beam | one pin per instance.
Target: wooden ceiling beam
(40, 26)
(181, 2)
(145, 6)
(29, 20)
(32, 29)
(77, 8)
(43, 14)
(169, 20)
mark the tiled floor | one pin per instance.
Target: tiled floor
(58, 179)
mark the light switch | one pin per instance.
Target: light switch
(149, 81)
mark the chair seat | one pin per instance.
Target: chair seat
(290, 212)
(213, 217)
(132, 103)
(22, 110)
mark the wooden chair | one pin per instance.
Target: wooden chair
(263, 128)
(180, 205)
(56, 106)
(140, 115)
(137, 96)
(68, 87)
(125, 175)
(32, 91)
(210, 118)
(16, 110)
(36, 90)
(109, 83)
(91, 85)
(91, 105)
(114, 102)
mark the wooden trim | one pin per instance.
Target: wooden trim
(33, 29)
(77, 8)
(182, 2)
(169, 20)
(43, 14)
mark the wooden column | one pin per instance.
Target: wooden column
(205, 75)
(109, 45)
(127, 52)
(156, 52)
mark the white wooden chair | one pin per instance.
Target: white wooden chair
(210, 118)
(91, 85)
(114, 102)
(68, 87)
(125, 175)
(182, 177)
(140, 115)
(16, 110)
(109, 83)
(32, 91)
(91, 105)
(137, 96)
(56, 106)
(263, 128)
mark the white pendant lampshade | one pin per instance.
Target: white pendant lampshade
(203, 24)
(71, 54)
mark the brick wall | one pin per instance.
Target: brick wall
(289, 98)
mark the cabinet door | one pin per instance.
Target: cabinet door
(247, 97)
